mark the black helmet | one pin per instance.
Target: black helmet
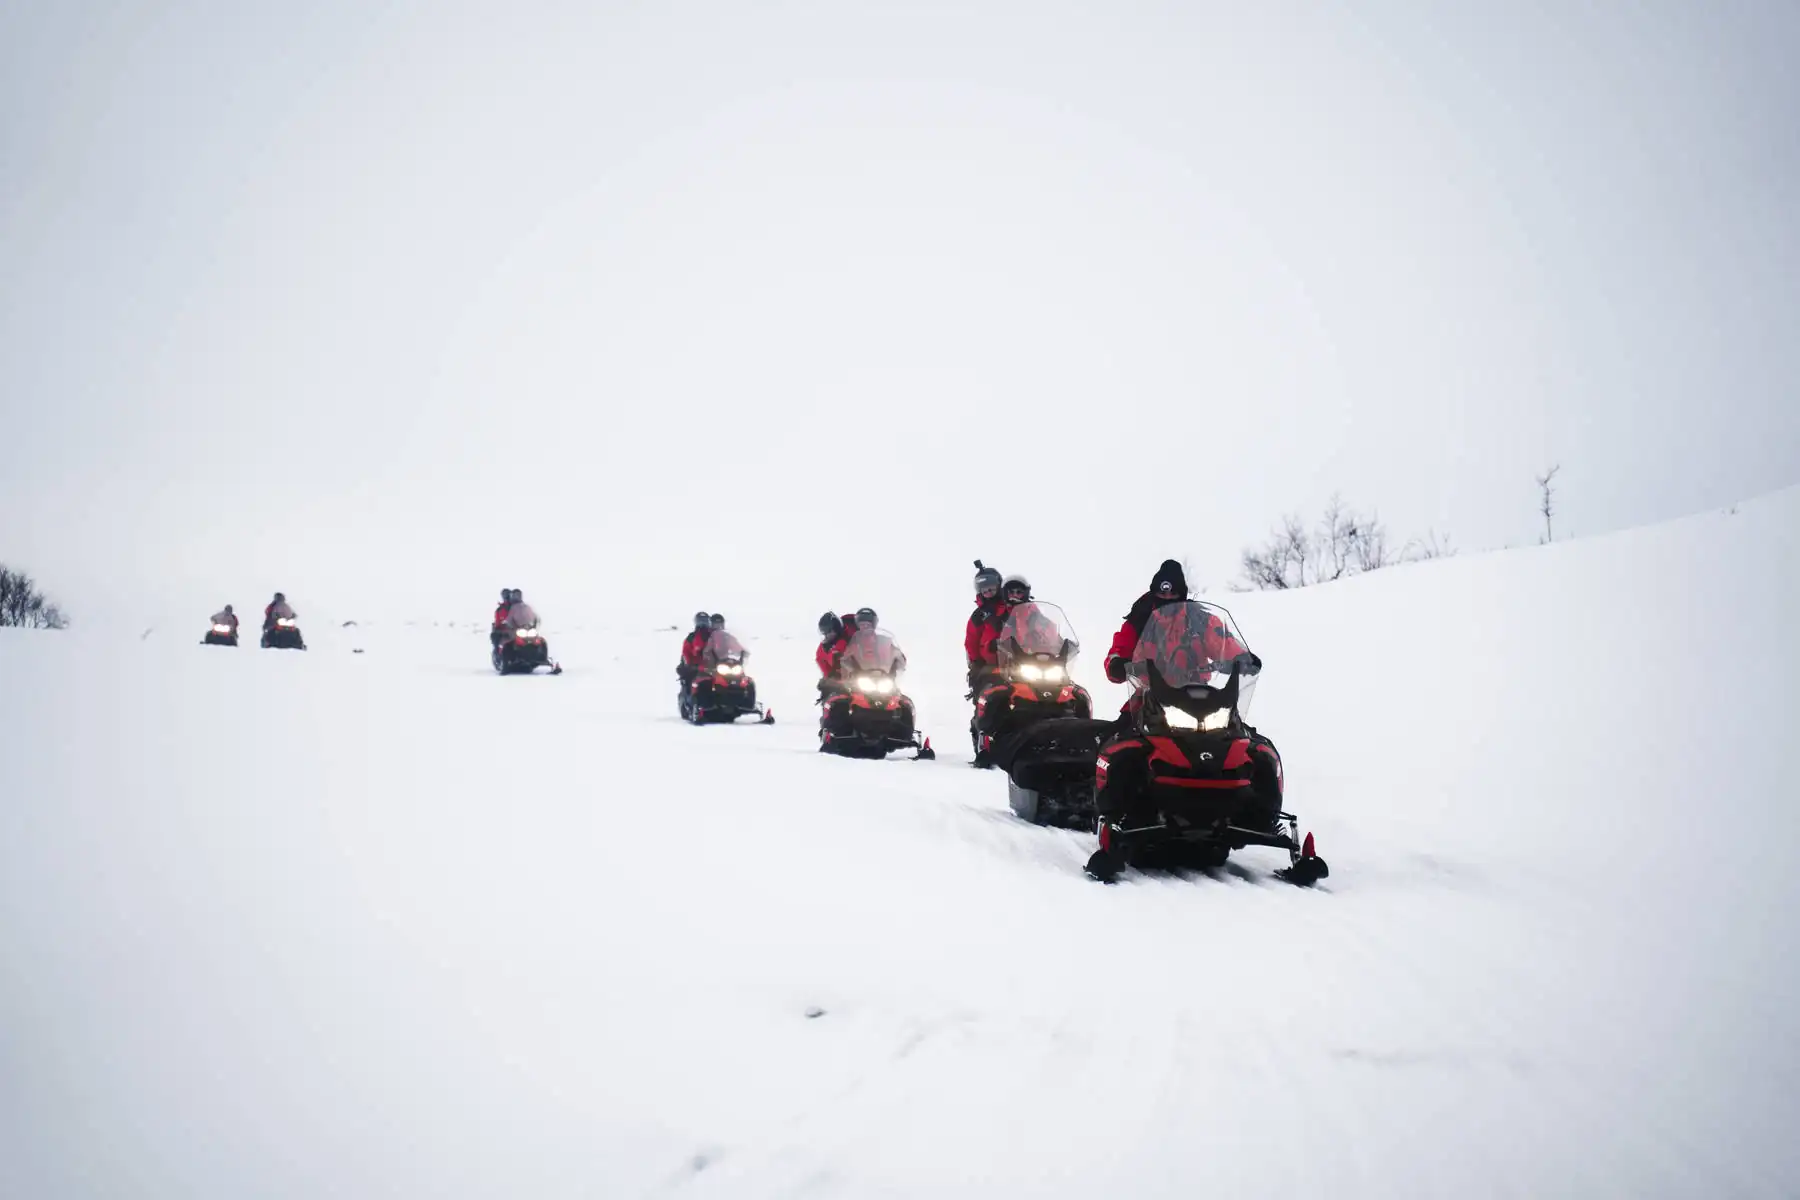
(717, 621)
(1019, 584)
(702, 621)
(506, 595)
(987, 580)
(831, 626)
(518, 596)
(279, 598)
(865, 618)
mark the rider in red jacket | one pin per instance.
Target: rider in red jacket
(691, 646)
(500, 613)
(1167, 586)
(1214, 643)
(834, 635)
(983, 629)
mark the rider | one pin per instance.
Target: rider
(519, 615)
(868, 622)
(691, 646)
(718, 644)
(1213, 642)
(983, 626)
(1029, 628)
(277, 609)
(1167, 586)
(834, 635)
(496, 634)
(986, 678)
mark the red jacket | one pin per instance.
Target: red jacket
(500, 614)
(982, 632)
(829, 654)
(1215, 642)
(1125, 641)
(692, 645)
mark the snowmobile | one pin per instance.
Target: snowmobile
(283, 633)
(723, 691)
(1049, 765)
(866, 715)
(1185, 780)
(1036, 645)
(521, 651)
(220, 634)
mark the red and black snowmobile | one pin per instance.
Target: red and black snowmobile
(1185, 780)
(282, 633)
(866, 714)
(722, 691)
(1036, 645)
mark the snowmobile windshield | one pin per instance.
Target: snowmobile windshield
(723, 647)
(873, 650)
(522, 616)
(1035, 629)
(1194, 647)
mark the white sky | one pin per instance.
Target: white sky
(658, 306)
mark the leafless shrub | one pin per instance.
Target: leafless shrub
(1342, 543)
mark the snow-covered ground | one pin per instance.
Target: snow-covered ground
(383, 924)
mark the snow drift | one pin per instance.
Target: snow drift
(383, 924)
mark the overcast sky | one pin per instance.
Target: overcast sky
(650, 305)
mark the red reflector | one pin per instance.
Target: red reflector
(1306, 849)
(1106, 837)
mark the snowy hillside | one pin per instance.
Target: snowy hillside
(383, 924)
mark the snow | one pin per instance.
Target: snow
(383, 924)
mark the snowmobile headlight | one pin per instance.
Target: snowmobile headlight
(730, 669)
(865, 683)
(221, 629)
(1031, 671)
(1215, 720)
(1178, 719)
(1053, 674)
(885, 687)
(285, 622)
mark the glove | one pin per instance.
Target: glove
(1115, 668)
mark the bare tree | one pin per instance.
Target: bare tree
(1343, 543)
(22, 605)
(1545, 507)
(1424, 549)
